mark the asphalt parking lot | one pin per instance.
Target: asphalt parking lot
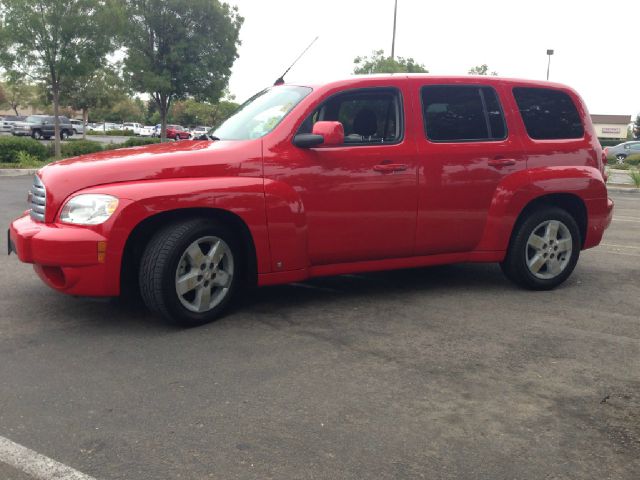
(437, 373)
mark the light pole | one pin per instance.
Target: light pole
(393, 41)
(549, 53)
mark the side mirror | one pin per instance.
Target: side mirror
(328, 134)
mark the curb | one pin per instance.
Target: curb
(17, 172)
(629, 190)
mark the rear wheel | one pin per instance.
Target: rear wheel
(64, 135)
(189, 272)
(36, 134)
(544, 249)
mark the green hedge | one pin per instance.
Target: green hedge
(608, 142)
(139, 141)
(112, 133)
(633, 159)
(80, 147)
(11, 146)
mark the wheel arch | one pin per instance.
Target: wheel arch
(572, 203)
(139, 237)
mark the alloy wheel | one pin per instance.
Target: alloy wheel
(548, 249)
(204, 274)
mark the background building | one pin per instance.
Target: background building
(611, 126)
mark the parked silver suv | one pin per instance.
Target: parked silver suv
(7, 122)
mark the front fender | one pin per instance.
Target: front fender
(242, 196)
(516, 191)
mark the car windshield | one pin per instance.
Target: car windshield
(261, 113)
(34, 119)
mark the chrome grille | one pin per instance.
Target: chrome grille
(38, 199)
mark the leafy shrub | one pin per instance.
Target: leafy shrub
(11, 146)
(139, 141)
(26, 160)
(635, 176)
(619, 166)
(80, 147)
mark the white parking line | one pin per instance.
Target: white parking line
(36, 465)
(622, 218)
(619, 246)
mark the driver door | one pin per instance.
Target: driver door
(360, 198)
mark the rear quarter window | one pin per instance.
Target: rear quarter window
(548, 114)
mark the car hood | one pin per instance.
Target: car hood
(186, 159)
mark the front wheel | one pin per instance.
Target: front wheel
(621, 158)
(64, 135)
(544, 249)
(36, 134)
(189, 272)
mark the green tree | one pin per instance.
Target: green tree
(223, 110)
(481, 70)
(193, 113)
(48, 40)
(100, 88)
(636, 127)
(18, 94)
(379, 63)
(180, 48)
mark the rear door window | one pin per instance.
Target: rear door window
(548, 114)
(462, 113)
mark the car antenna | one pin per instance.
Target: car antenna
(280, 79)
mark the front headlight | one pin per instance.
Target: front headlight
(89, 209)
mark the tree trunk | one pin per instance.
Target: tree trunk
(85, 119)
(163, 106)
(15, 109)
(56, 119)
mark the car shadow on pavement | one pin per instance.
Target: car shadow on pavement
(297, 299)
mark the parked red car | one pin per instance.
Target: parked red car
(369, 173)
(176, 132)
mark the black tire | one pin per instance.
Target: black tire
(515, 265)
(621, 157)
(159, 266)
(36, 134)
(64, 135)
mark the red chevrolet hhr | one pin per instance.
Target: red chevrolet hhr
(368, 173)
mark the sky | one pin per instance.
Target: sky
(595, 49)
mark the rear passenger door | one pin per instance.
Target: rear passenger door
(466, 149)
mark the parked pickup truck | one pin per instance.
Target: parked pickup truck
(369, 173)
(42, 126)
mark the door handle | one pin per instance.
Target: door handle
(390, 167)
(501, 162)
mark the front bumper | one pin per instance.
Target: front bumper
(65, 257)
(21, 133)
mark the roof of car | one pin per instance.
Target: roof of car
(485, 79)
